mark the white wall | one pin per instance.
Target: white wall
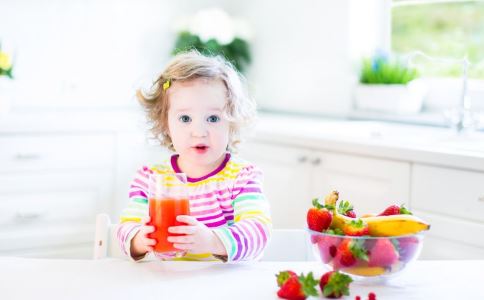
(301, 55)
(89, 53)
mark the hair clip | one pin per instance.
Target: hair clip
(166, 84)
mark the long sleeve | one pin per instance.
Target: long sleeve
(247, 237)
(136, 209)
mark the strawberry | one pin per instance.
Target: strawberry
(327, 246)
(395, 210)
(345, 208)
(283, 276)
(319, 217)
(383, 254)
(298, 288)
(348, 252)
(355, 228)
(335, 284)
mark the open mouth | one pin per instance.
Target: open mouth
(201, 148)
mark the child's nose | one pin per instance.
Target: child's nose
(199, 129)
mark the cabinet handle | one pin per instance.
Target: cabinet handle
(28, 216)
(480, 198)
(302, 159)
(316, 161)
(27, 156)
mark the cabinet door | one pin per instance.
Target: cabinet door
(369, 184)
(287, 179)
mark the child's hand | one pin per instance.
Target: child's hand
(198, 238)
(141, 243)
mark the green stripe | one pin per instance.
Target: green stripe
(248, 197)
(140, 200)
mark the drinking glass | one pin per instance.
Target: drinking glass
(168, 198)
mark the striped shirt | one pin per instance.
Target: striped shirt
(229, 200)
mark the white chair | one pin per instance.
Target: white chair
(288, 245)
(105, 241)
(285, 244)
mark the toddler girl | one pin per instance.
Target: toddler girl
(197, 108)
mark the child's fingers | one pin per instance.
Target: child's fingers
(147, 229)
(182, 229)
(145, 220)
(187, 219)
(186, 239)
(150, 242)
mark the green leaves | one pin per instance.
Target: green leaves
(381, 70)
(308, 284)
(236, 52)
(337, 285)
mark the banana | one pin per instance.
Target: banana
(394, 225)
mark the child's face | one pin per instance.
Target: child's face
(196, 125)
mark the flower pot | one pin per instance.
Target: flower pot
(391, 98)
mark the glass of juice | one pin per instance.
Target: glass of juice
(168, 198)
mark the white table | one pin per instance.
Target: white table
(28, 278)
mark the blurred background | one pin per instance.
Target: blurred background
(72, 134)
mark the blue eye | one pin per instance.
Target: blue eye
(213, 119)
(185, 119)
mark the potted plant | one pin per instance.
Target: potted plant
(214, 32)
(389, 85)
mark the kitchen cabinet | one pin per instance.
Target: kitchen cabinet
(452, 200)
(51, 188)
(295, 175)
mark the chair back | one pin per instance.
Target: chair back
(105, 242)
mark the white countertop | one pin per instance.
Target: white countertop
(424, 144)
(28, 278)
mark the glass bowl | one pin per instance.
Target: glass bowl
(365, 257)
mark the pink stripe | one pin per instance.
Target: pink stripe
(250, 239)
(205, 212)
(258, 246)
(206, 203)
(210, 195)
(216, 224)
(141, 183)
(144, 173)
(262, 231)
(209, 218)
(138, 193)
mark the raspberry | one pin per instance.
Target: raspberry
(371, 296)
(357, 298)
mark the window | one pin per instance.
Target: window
(443, 29)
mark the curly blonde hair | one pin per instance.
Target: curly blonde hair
(239, 110)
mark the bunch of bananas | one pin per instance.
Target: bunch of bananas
(378, 226)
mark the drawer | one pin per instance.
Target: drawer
(47, 152)
(450, 192)
(29, 200)
(451, 238)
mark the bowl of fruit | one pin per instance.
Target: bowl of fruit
(370, 247)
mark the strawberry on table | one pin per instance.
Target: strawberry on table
(297, 287)
(383, 254)
(318, 217)
(283, 276)
(335, 284)
(355, 228)
(395, 210)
